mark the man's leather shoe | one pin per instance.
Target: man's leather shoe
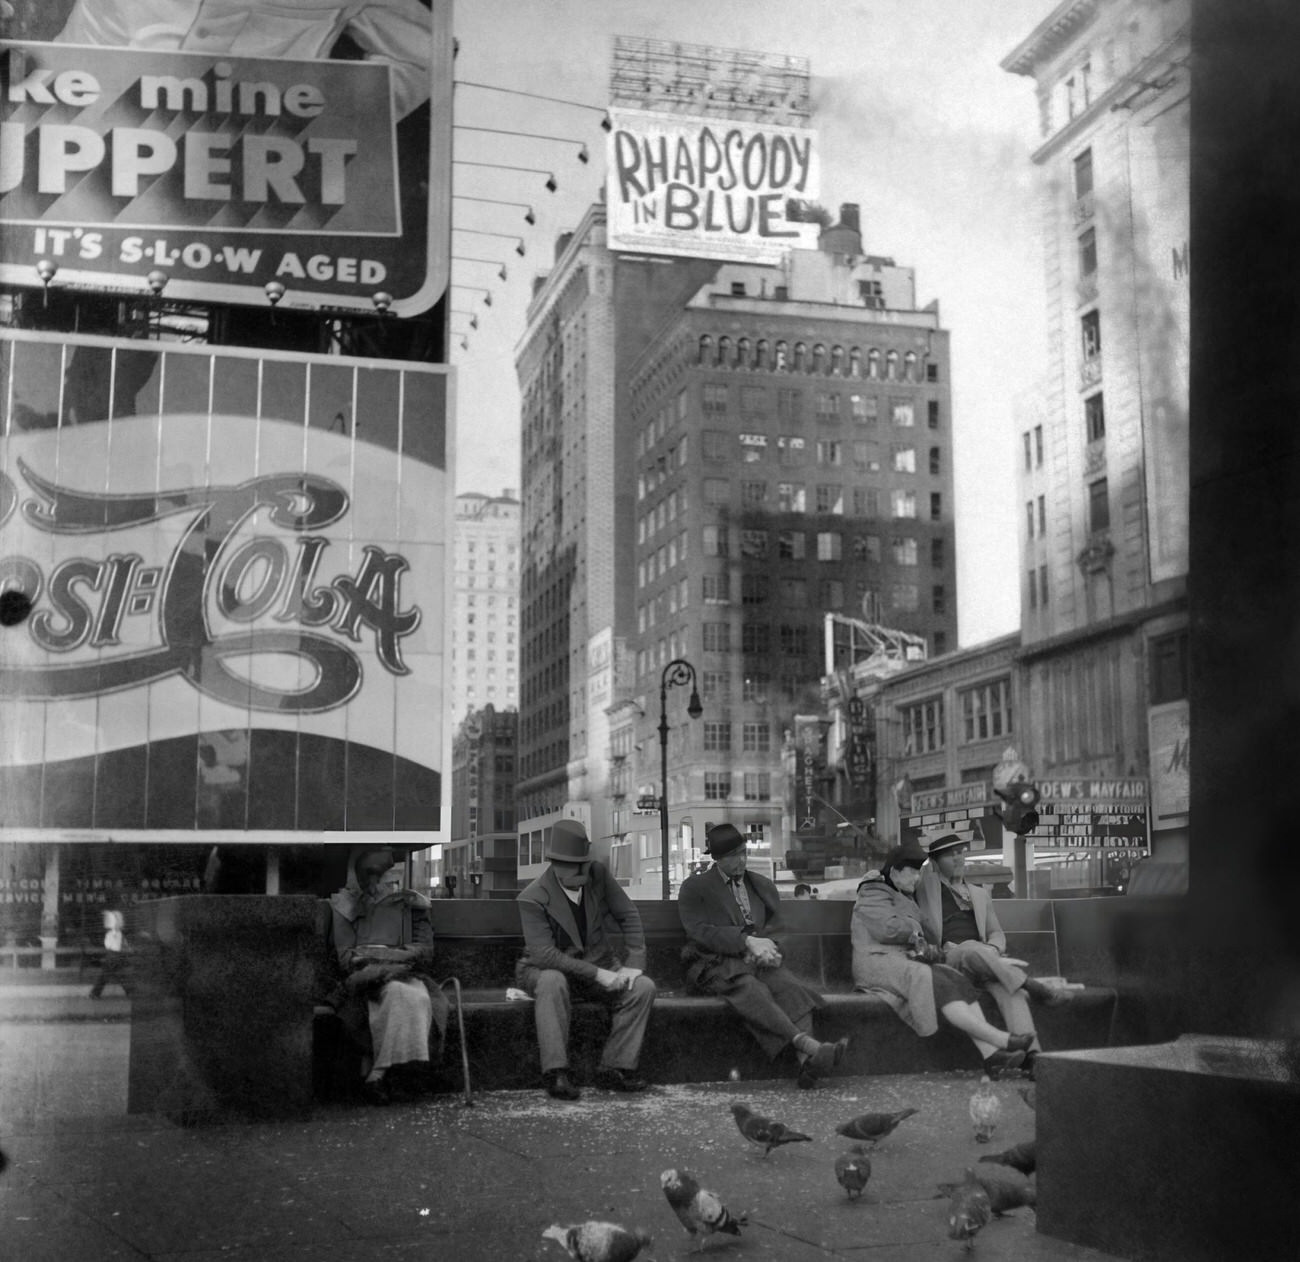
(1019, 1042)
(1048, 996)
(613, 1079)
(997, 1063)
(560, 1086)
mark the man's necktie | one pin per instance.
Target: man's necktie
(741, 895)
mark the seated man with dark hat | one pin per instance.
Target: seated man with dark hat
(568, 915)
(958, 916)
(729, 914)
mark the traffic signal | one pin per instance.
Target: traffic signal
(451, 884)
(1017, 813)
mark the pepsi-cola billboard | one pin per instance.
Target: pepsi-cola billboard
(226, 147)
(231, 572)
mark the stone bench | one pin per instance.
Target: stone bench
(695, 1038)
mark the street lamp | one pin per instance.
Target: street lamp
(678, 673)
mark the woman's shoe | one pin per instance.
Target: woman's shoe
(375, 1092)
(997, 1063)
(1020, 1042)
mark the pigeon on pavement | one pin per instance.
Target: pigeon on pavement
(872, 1126)
(985, 1109)
(1022, 1157)
(1007, 1189)
(968, 1211)
(598, 1242)
(852, 1170)
(766, 1131)
(700, 1211)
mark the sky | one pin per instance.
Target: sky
(916, 123)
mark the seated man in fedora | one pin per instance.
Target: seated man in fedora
(729, 915)
(568, 915)
(958, 916)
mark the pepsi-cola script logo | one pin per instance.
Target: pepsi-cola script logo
(85, 601)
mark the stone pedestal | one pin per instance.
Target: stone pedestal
(222, 1021)
(1183, 1151)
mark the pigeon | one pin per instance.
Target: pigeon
(872, 1126)
(598, 1242)
(852, 1170)
(968, 1211)
(1029, 1095)
(700, 1211)
(985, 1109)
(765, 1130)
(1022, 1157)
(1006, 1189)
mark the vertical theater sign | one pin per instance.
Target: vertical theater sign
(225, 579)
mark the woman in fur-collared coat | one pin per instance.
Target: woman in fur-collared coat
(892, 959)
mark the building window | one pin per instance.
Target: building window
(1038, 446)
(788, 404)
(717, 738)
(862, 458)
(1090, 328)
(829, 545)
(790, 545)
(936, 505)
(1033, 589)
(830, 499)
(794, 641)
(1029, 518)
(1088, 253)
(940, 642)
(790, 497)
(904, 459)
(986, 711)
(905, 597)
(715, 398)
(903, 548)
(935, 459)
(754, 687)
(830, 451)
(715, 685)
(936, 554)
(715, 541)
(902, 504)
(1029, 452)
(866, 501)
(864, 408)
(866, 548)
(717, 786)
(753, 400)
(923, 727)
(932, 413)
(715, 444)
(756, 738)
(753, 494)
(1042, 516)
(754, 637)
(753, 544)
(1167, 658)
(1083, 174)
(715, 589)
(790, 450)
(1098, 505)
(1094, 416)
(753, 589)
(938, 599)
(794, 592)
(717, 637)
(832, 593)
(716, 490)
(758, 786)
(828, 406)
(1042, 586)
(902, 412)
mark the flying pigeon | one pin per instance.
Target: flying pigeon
(852, 1170)
(766, 1131)
(1022, 1157)
(968, 1211)
(985, 1109)
(700, 1211)
(598, 1242)
(872, 1126)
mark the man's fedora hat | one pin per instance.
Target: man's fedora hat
(569, 842)
(946, 842)
(723, 839)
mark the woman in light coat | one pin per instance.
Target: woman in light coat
(892, 959)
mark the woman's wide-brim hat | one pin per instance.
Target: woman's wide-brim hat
(907, 854)
(723, 839)
(568, 842)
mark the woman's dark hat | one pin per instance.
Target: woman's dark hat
(569, 842)
(724, 839)
(907, 854)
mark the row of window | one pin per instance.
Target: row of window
(985, 715)
(756, 738)
(762, 355)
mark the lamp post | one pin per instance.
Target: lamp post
(678, 673)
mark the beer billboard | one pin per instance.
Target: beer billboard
(223, 152)
(223, 578)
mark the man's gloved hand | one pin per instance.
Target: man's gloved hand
(610, 980)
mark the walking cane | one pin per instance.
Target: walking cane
(454, 983)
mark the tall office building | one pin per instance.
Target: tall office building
(485, 617)
(1104, 457)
